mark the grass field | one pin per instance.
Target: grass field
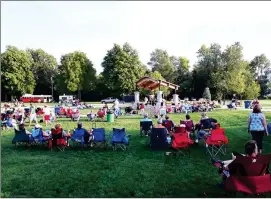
(138, 172)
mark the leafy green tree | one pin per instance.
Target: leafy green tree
(259, 65)
(122, 68)
(16, 75)
(206, 94)
(44, 68)
(252, 88)
(76, 72)
(161, 62)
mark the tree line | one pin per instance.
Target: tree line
(224, 72)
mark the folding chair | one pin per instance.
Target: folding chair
(250, 178)
(38, 138)
(119, 139)
(21, 138)
(145, 127)
(179, 129)
(99, 139)
(216, 143)
(169, 125)
(78, 138)
(58, 140)
(181, 143)
(158, 139)
(189, 125)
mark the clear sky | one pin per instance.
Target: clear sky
(178, 27)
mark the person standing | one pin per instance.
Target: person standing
(47, 114)
(257, 126)
(33, 115)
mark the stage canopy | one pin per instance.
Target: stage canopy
(151, 83)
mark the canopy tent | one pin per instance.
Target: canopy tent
(151, 83)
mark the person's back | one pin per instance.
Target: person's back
(256, 122)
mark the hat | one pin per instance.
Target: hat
(159, 121)
(145, 114)
(37, 126)
(182, 125)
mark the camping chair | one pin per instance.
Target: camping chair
(99, 139)
(38, 137)
(216, 143)
(75, 115)
(145, 127)
(21, 138)
(169, 125)
(189, 125)
(58, 140)
(79, 138)
(250, 178)
(181, 143)
(179, 129)
(158, 139)
(119, 139)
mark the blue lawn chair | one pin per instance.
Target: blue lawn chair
(37, 136)
(119, 139)
(158, 139)
(21, 138)
(99, 139)
(79, 138)
(145, 127)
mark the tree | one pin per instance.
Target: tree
(76, 72)
(161, 62)
(206, 94)
(252, 88)
(259, 65)
(16, 75)
(44, 69)
(122, 68)
(209, 62)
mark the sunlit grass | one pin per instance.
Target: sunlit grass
(138, 172)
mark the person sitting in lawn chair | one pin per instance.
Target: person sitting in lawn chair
(189, 124)
(243, 164)
(160, 125)
(169, 124)
(81, 135)
(100, 113)
(91, 116)
(145, 125)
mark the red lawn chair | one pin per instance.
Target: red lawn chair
(179, 129)
(181, 143)
(217, 142)
(168, 124)
(189, 126)
(250, 178)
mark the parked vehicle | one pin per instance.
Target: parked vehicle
(108, 100)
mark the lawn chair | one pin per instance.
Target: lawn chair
(38, 138)
(99, 139)
(250, 178)
(119, 139)
(79, 138)
(179, 129)
(58, 140)
(145, 127)
(216, 143)
(21, 138)
(181, 143)
(158, 139)
(75, 115)
(169, 125)
(189, 125)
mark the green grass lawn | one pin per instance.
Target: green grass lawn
(138, 172)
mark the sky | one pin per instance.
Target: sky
(179, 27)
